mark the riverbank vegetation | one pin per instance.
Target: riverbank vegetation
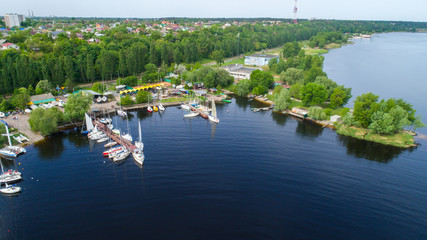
(46, 121)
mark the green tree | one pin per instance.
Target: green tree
(313, 94)
(76, 107)
(69, 84)
(260, 90)
(45, 121)
(282, 100)
(143, 97)
(364, 106)
(295, 90)
(317, 113)
(20, 98)
(292, 76)
(243, 88)
(259, 77)
(340, 96)
(44, 85)
(126, 100)
(313, 74)
(329, 84)
(218, 56)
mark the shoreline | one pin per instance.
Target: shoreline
(384, 140)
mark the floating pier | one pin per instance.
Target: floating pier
(119, 139)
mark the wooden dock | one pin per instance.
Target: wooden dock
(119, 139)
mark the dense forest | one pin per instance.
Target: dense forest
(121, 53)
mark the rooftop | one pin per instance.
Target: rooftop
(263, 55)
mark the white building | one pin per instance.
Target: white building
(13, 20)
(238, 71)
(259, 59)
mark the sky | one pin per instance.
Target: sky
(402, 10)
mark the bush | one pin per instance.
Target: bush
(317, 113)
(260, 90)
(76, 107)
(143, 97)
(45, 121)
(126, 100)
(282, 99)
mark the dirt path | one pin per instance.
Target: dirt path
(22, 125)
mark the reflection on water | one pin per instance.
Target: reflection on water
(371, 150)
(279, 118)
(213, 130)
(242, 102)
(51, 147)
(308, 129)
(142, 114)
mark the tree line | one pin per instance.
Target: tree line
(121, 54)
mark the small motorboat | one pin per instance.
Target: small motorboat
(10, 189)
(149, 109)
(108, 152)
(121, 156)
(161, 108)
(103, 140)
(110, 144)
(155, 108)
(104, 99)
(128, 137)
(191, 114)
(139, 157)
(185, 107)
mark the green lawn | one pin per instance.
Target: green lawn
(206, 60)
(312, 51)
(401, 139)
(234, 61)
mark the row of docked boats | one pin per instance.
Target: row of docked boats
(194, 109)
(115, 153)
(8, 179)
(10, 151)
(155, 108)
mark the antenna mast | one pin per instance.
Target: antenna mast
(295, 12)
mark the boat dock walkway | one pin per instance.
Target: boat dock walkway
(119, 139)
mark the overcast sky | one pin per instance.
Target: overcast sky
(405, 10)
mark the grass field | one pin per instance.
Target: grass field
(312, 51)
(234, 61)
(402, 139)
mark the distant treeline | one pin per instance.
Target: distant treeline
(123, 54)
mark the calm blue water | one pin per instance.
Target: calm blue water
(254, 176)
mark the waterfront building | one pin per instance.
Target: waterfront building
(13, 20)
(238, 71)
(259, 59)
(42, 98)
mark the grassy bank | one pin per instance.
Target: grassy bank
(402, 139)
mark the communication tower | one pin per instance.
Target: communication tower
(295, 12)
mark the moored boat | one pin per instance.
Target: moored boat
(10, 189)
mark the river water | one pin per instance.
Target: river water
(253, 176)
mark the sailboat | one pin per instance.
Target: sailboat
(149, 109)
(213, 117)
(138, 153)
(89, 125)
(10, 189)
(10, 176)
(10, 151)
(139, 143)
